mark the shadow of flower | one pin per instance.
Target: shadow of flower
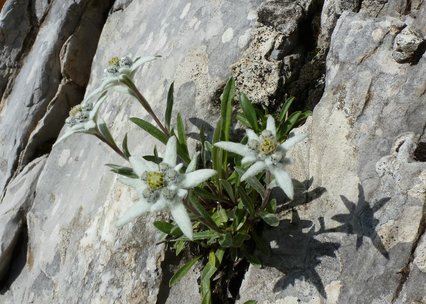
(361, 221)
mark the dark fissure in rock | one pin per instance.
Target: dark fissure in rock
(18, 258)
(168, 266)
(420, 152)
(308, 87)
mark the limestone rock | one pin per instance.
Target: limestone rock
(367, 224)
(409, 46)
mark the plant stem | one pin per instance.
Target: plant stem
(145, 104)
(267, 191)
(111, 145)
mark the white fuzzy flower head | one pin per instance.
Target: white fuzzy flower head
(162, 186)
(82, 118)
(266, 153)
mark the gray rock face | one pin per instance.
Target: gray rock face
(365, 214)
(353, 234)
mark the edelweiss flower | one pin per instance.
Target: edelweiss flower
(266, 154)
(116, 69)
(82, 118)
(162, 186)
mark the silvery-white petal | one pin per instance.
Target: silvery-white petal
(96, 107)
(178, 167)
(159, 205)
(133, 212)
(89, 125)
(291, 141)
(251, 135)
(193, 164)
(236, 148)
(182, 193)
(270, 125)
(140, 61)
(67, 134)
(283, 180)
(192, 179)
(248, 159)
(135, 183)
(170, 153)
(180, 215)
(141, 165)
(256, 168)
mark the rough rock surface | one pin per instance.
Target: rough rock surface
(366, 210)
(360, 216)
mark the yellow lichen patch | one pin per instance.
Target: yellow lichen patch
(155, 180)
(114, 61)
(267, 146)
(75, 110)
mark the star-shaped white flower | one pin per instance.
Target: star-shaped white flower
(162, 186)
(117, 69)
(265, 153)
(82, 118)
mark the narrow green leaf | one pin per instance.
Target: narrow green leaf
(212, 258)
(242, 119)
(270, 219)
(226, 108)
(169, 107)
(253, 182)
(202, 213)
(125, 171)
(164, 227)
(228, 188)
(125, 147)
(150, 128)
(217, 153)
(153, 158)
(181, 134)
(183, 271)
(249, 112)
(250, 302)
(103, 129)
(219, 254)
(180, 245)
(247, 201)
(285, 108)
(206, 274)
(289, 124)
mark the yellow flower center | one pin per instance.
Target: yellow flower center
(267, 145)
(75, 110)
(114, 61)
(155, 180)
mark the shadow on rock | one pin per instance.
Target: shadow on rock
(297, 253)
(361, 221)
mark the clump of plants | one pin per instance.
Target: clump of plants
(219, 198)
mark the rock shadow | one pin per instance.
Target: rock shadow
(297, 253)
(361, 221)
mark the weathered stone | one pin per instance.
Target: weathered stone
(409, 46)
(17, 201)
(362, 139)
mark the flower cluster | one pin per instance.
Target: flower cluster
(162, 186)
(265, 153)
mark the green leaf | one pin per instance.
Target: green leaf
(225, 240)
(217, 153)
(103, 129)
(201, 212)
(164, 227)
(272, 206)
(212, 258)
(181, 134)
(125, 171)
(247, 201)
(253, 182)
(226, 108)
(169, 107)
(219, 254)
(289, 124)
(183, 271)
(180, 245)
(249, 112)
(270, 219)
(228, 188)
(242, 119)
(125, 147)
(250, 302)
(285, 108)
(153, 158)
(206, 274)
(150, 128)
